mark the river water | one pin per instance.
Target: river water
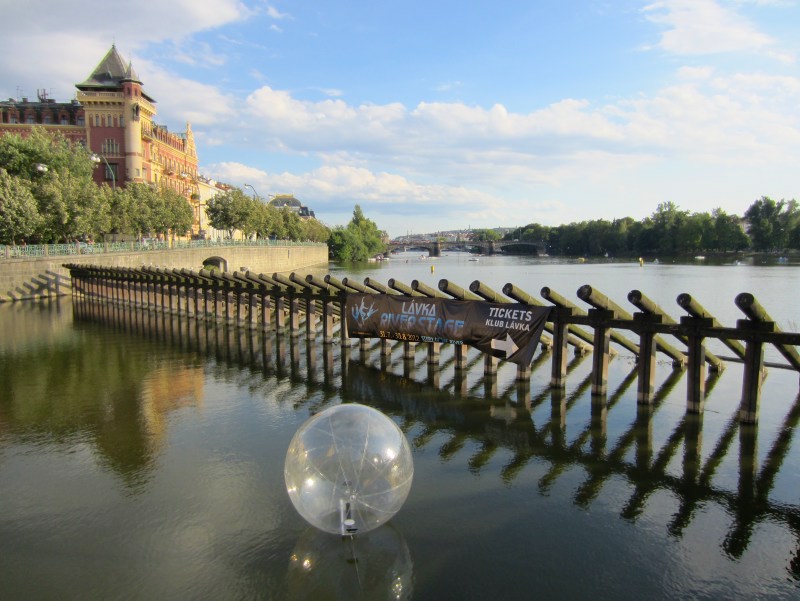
(142, 456)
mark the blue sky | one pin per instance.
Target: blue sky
(443, 115)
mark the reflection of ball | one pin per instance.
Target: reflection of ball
(376, 565)
(348, 469)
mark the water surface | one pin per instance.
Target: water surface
(142, 457)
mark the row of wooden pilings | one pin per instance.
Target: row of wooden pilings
(293, 303)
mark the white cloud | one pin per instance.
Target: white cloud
(274, 13)
(454, 159)
(470, 163)
(64, 41)
(706, 27)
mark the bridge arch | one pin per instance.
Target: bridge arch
(216, 262)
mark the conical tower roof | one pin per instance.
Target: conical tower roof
(110, 72)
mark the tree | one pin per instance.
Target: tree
(770, 222)
(358, 241)
(485, 235)
(178, 213)
(230, 211)
(291, 224)
(728, 231)
(694, 232)
(122, 210)
(666, 221)
(22, 156)
(19, 216)
(315, 231)
(59, 175)
(69, 204)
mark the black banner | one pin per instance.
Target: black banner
(508, 331)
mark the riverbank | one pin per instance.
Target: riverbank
(31, 278)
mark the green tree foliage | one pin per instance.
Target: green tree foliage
(314, 231)
(230, 211)
(69, 205)
(59, 176)
(770, 223)
(292, 224)
(19, 216)
(358, 241)
(668, 231)
(485, 235)
(728, 232)
(123, 211)
(20, 156)
(177, 214)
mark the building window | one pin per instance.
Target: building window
(110, 146)
(81, 121)
(29, 119)
(110, 168)
(47, 120)
(64, 120)
(97, 120)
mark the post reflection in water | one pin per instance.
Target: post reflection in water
(604, 454)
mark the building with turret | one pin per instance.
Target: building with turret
(114, 117)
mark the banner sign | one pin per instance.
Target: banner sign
(508, 331)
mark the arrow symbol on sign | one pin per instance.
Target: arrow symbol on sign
(506, 345)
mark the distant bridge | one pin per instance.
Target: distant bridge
(486, 247)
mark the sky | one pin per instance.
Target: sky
(445, 115)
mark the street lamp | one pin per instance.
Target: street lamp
(258, 198)
(98, 159)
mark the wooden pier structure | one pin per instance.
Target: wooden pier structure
(298, 304)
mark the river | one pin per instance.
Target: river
(142, 458)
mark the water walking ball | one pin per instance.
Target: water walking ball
(348, 469)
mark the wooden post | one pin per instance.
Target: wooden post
(646, 362)
(558, 372)
(327, 318)
(433, 352)
(280, 310)
(696, 367)
(602, 339)
(490, 363)
(311, 314)
(460, 354)
(266, 318)
(753, 370)
(638, 299)
(294, 313)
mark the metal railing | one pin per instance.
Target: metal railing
(33, 251)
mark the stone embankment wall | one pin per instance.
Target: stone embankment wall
(31, 278)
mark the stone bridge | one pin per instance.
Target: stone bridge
(24, 278)
(486, 247)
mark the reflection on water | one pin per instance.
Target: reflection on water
(376, 565)
(157, 443)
